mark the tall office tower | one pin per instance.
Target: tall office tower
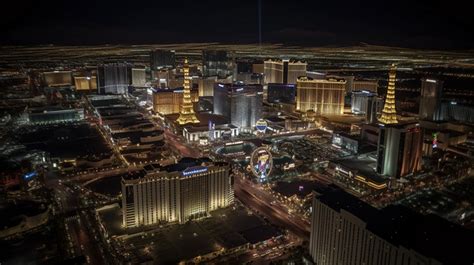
(346, 230)
(175, 193)
(187, 115)
(283, 71)
(281, 93)
(162, 59)
(389, 113)
(324, 97)
(114, 78)
(240, 103)
(216, 63)
(399, 150)
(430, 99)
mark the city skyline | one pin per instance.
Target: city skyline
(199, 132)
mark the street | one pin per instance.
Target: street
(259, 200)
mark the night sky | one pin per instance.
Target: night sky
(416, 24)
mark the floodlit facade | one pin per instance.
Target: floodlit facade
(324, 97)
(399, 150)
(368, 85)
(366, 103)
(206, 86)
(85, 83)
(176, 193)
(389, 112)
(168, 101)
(186, 114)
(138, 77)
(241, 104)
(114, 78)
(283, 71)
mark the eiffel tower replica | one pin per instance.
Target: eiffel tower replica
(186, 114)
(389, 113)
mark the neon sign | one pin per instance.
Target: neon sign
(30, 175)
(194, 170)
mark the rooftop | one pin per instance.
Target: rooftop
(226, 228)
(361, 164)
(426, 234)
(183, 164)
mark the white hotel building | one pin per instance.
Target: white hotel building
(187, 190)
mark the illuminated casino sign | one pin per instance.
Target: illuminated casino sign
(435, 140)
(28, 176)
(194, 170)
(261, 125)
(261, 163)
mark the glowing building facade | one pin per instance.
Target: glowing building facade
(187, 115)
(399, 147)
(206, 86)
(283, 71)
(168, 101)
(324, 97)
(399, 150)
(368, 85)
(138, 77)
(179, 192)
(114, 78)
(241, 104)
(85, 83)
(389, 113)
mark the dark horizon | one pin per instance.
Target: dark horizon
(404, 24)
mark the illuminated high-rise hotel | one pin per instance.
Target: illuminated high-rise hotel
(324, 97)
(114, 78)
(284, 71)
(399, 147)
(179, 192)
(346, 230)
(169, 101)
(389, 113)
(240, 103)
(399, 150)
(187, 115)
(430, 99)
(216, 63)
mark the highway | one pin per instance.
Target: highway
(179, 146)
(79, 226)
(257, 199)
